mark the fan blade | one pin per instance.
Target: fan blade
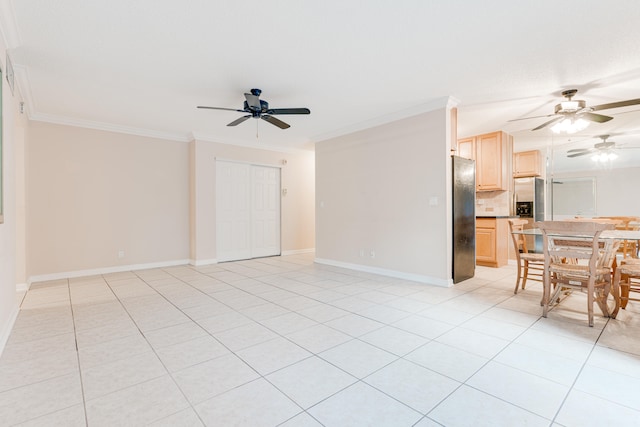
(289, 111)
(275, 122)
(253, 101)
(584, 153)
(220, 108)
(236, 122)
(616, 104)
(598, 118)
(533, 117)
(579, 150)
(545, 124)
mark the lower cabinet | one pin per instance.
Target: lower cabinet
(492, 242)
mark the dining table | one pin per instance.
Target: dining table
(619, 235)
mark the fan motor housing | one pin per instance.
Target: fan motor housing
(570, 106)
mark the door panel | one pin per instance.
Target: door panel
(265, 211)
(232, 211)
(247, 211)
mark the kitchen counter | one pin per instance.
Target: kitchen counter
(497, 216)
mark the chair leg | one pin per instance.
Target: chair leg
(515, 291)
(602, 294)
(545, 293)
(526, 274)
(590, 292)
(616, 293)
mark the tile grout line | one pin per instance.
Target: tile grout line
(75, 337)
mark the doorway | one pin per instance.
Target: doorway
(247, 211)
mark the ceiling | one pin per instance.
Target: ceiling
(143, 66)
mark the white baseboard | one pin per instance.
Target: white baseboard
(105, 270)
(22, 287)
(391, 273)
(6, 329)
(201, 262)
(298, 251)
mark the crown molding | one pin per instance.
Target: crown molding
(196, 136)
(443, 102)
(69, 121)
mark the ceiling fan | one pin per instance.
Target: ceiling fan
(574, 110)
(604, 148)
(259, 109)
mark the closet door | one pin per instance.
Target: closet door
(233, 211)
(247, 211)
(265, 211)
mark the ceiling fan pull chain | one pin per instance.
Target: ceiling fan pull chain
(256, 129)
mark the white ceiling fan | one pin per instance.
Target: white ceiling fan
(602, 151)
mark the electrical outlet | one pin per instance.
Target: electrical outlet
(120, 254)
(372, 254)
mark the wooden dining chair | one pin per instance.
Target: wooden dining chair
(530, 265)
(576, 258)
(625, 281)
(628, 248)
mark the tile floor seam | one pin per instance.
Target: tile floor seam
(167, 372)
(84, 400)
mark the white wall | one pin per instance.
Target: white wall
(297, 206)
(373, 192)
(91, 194)
(12, 230)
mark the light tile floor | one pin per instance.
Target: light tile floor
(283, 341)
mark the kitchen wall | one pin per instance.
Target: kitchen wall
(383, 199)
(493, 203)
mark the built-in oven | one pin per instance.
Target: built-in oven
(524, 209)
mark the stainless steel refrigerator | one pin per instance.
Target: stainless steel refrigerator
(528, 194)
(464, 219)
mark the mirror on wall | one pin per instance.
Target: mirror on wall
(573, 197)
(593, 175)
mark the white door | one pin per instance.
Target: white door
(247, 211)
(265, 211)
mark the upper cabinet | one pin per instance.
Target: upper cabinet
(492, 153)
(467, 148)
(527, 163)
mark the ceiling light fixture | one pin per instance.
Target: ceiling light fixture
(604, 157)
(570, 125)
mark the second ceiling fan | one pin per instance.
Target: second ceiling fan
(577, 109)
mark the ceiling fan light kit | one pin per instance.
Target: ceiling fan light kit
(571, 116)
(604, 157)
(570, 125)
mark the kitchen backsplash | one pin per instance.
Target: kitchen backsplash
(493, 203)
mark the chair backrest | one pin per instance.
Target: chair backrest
(577, 240)
(519, 241)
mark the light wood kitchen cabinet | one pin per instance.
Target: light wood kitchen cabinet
(492, 153)
(492, 242)
(467, 148)
(527, 163)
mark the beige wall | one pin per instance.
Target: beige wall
(91, 194)
(297, 206)
(387, 190)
